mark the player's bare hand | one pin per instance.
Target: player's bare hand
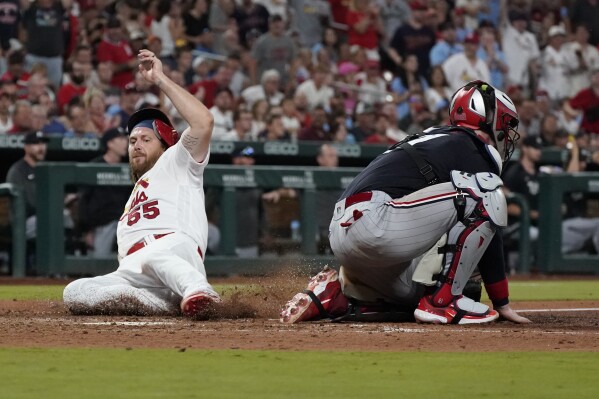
(272, 196)
(150, 66)
(510, 314)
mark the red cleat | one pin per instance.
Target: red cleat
(321, 299)
(461, 310)
(200, 305)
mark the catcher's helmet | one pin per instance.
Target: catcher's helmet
(478, 105)
(161, 124)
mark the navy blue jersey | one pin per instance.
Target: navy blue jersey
(444, 148)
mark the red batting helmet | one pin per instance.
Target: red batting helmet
(161, 124)
(478, 105)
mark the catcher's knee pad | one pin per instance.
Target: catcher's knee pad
(466, 245)
(485, 189)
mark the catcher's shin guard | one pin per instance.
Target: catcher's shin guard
(466, 245)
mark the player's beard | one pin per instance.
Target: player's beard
(139, 170)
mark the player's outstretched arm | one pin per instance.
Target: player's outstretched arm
(196, 138)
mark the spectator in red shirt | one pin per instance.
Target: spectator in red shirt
(205, 90)
(380, 131)
(319, 129)
(116, 49)
(16, 72)
(75, 87)
(364, 26)
(586, 102)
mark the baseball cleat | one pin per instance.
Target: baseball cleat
(199, 306)
(321, 299)
(461, 310)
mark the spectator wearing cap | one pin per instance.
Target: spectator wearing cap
(22, 174)
(523, 49)
(415, 37)
(585, 104)
(5, 117)
(554, 66)
(446, 46)
(365, 26)
(317, 88)
(115, 48)
(43, 23)
(268, 90)
(364, 121)
(101, 206)
(273, 50)
(582, 59)
(222, 113)
(121, 112)
(467, 66)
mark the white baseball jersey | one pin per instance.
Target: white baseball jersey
(168, 198)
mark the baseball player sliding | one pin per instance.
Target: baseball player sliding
(162, 233)
(414, 224)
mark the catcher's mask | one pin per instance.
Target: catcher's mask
(157, 121)
(478, 105)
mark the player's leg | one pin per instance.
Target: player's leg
(115, 293)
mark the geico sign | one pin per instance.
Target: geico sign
(281, 148)
(75, 143)
(11, 140)
(349, 150)
(222, 147)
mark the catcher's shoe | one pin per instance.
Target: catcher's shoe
(200, 305)
(321, 299)
(461, 310)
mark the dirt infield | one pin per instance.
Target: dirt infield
(249, 322)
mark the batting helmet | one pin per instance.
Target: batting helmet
(161, 124)
(478, 105)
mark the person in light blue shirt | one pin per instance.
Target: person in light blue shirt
(446, 46)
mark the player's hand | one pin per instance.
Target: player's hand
(150, 66)
(510, 314)
(272, 196)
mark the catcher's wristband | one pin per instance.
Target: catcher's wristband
(498, 293)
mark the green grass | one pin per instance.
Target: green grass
(519, 291)
(114, 373)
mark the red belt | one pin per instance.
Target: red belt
(142, 243)
(356, 198)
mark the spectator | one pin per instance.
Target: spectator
(196, 21)
(121, 112)
(319, 129)
(393, 132)
(9, 24)
(549, 130)
(312, 18)
(471, 8)
(222, 113)
(290, 117)
(100, 206)
(275, 130)
(16, 72)
(439, 94)
(273, 50)
(206, 90)
(184, 64)
(251, 17)
(45, 41)
(169, 27)
(373, 88)
(586, 12)
(21, 118)
(415, 37)
(39, 117)
(554, 69)
(582, 58)
(393, 13)
(242, 126)
(78, 120)
(586, 104)
(317, 89)
(523, 49)
(446, 46)
(419, 118)
(530, 123)
(6, 100)
(37, 86)
(115, 48)
(364, 121)
(467, 66)
(75, 87)
(365, 26)
(268, 90)
(259, 115)
(239, 79)
(490, 52)
(94, 101)
(407, 83)
(379, 136)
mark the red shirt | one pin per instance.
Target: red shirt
(119, 53)
(210, 86)
(587, 101)
(66, 93)
(368, 39)
(376, 139)
(339, 10)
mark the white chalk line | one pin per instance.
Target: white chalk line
(557, 310)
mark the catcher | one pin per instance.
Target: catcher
(162, 233)
(414, 224)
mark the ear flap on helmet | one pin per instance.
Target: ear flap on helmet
(165, 133)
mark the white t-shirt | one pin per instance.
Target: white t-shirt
(580, 78)
(519, 49)
(314, 95)
(459, 71)
(554, 73)
(167, 198)
(223, 122)
(255, 93)
(161, 30)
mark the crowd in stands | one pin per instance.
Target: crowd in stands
(341, 71)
